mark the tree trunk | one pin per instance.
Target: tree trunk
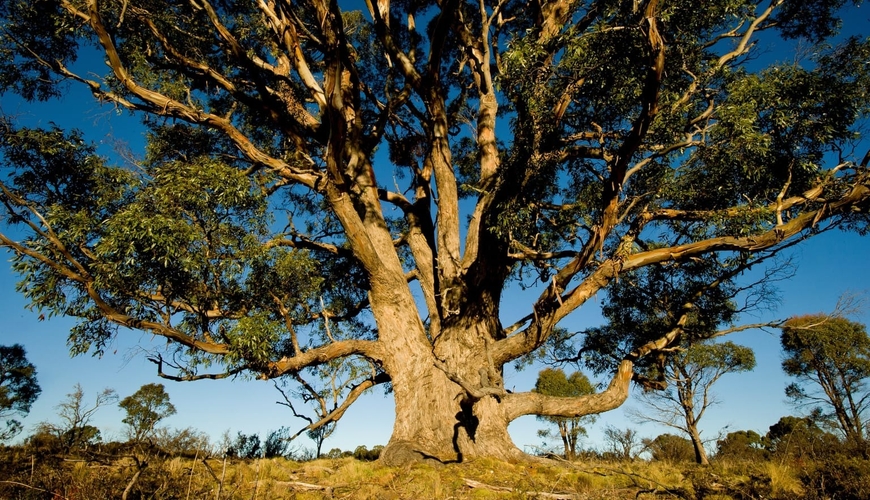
(436, 417)
(449, 393)
(436, 420)
(698, 445)
(566, 443)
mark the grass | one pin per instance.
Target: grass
(347, 478)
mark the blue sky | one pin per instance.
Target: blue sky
(829, 265)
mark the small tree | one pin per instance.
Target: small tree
(338, 380)
(690, 374)
(18, 388)
(553, 382)
(74, 429)
(245, 446)
(830, 358)
(677, 314)
(145, 408)
(622, 443)
(277, 443)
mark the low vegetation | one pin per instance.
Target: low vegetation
(39, 468)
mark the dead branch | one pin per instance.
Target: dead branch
(298, 485)
(530, 494)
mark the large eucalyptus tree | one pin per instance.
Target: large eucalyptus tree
(331, 180)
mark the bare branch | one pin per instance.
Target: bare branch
(159, 361)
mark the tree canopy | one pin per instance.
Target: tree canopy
(323, 183)
(741, 445)
(670, 448)
(145, 408)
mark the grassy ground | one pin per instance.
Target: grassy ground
(185, 478)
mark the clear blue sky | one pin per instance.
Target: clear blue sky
(829, 265)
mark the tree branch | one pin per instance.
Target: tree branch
(533, 403)
(159, 361)
(171, 107)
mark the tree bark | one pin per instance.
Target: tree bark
(449, 400)
(437, 420)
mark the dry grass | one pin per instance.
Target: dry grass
(347, 478)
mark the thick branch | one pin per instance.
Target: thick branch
(324, 354)
(544, 319)
(533, 403)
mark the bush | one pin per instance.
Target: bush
(671, 448)
(837, 476)
(799, 438)
(187, 442)
(741, 445)
(364, 454)
(245, 446)
(277, 443)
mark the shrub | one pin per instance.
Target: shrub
(671, 448)
(837, 476)
(741, 445)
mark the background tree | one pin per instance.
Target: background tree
(690, 375)
(799, 437)
(74, 429)
(306, 163)
(145, 408)
(329, 398)
(277, 443)
(245, 446)
(830, 358)
(18, 388)
(682, 311)
(553, 382)
(624, 444)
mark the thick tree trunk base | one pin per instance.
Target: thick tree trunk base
(449, 436)
(401, 453)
